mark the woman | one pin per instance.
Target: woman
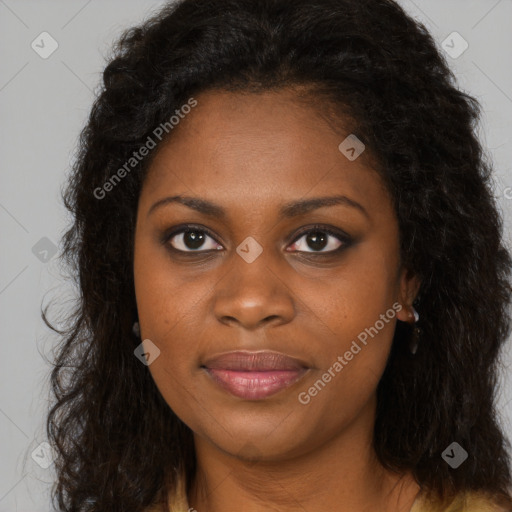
(293, 283)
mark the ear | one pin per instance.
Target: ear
(408, 291)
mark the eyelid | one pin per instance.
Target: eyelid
(344, 238)
(338, 233)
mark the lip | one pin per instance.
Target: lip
(254, 375)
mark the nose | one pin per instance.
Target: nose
(252, 295)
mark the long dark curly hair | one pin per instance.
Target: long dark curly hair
(116, 440)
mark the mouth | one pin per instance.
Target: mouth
(254, 375)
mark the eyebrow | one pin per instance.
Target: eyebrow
(292, 209)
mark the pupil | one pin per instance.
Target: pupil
(316, 240)
(193, 239)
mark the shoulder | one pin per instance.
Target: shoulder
(479, 503)
(177, 500)
(467, 502)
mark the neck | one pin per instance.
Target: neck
(342, 474)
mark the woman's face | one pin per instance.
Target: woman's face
(252, 280)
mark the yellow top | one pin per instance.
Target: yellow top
(470, 502)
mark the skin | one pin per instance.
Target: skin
(250, 154)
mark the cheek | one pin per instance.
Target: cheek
(357, 317)
(353, 297)
(168, 307)
(353, 356)
(166, 296)
(169, 316)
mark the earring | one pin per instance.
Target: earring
(136, 329)
(416, 332)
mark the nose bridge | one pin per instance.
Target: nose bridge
(252, 291)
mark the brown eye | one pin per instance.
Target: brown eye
(192, 240)
(320, 240)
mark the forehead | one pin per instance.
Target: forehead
(259, 147)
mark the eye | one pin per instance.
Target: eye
(319, 238)
(322, 240)
(192, 239)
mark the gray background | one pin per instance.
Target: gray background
(44, 104)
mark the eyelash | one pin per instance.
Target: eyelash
(344, 238)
